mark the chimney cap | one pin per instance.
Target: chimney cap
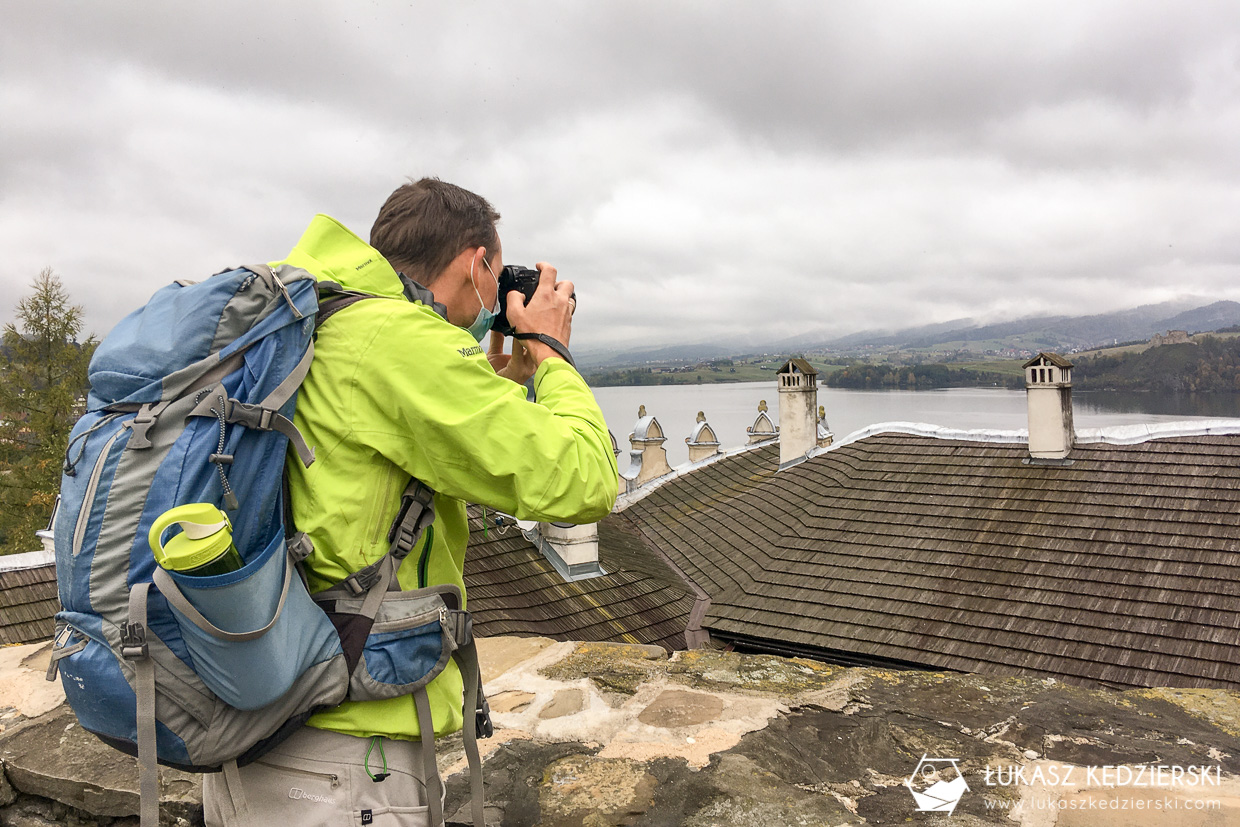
(1054, 358)
(796, 363)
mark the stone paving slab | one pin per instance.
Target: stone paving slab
(605, 735)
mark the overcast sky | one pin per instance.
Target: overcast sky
(702, 171)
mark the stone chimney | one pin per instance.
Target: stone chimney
(702, 442)
(762, 428)
(798, 404)
(572, 549)
(1048, 390)
(648, 457)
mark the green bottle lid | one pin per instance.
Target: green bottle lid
(206, 535)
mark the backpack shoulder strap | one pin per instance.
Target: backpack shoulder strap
(334, 305)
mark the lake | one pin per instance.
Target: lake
(730, 409)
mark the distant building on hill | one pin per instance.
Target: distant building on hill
(1173, 337)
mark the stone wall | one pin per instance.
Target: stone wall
(613, 734)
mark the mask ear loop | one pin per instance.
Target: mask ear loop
(493, 278)
(494, 309)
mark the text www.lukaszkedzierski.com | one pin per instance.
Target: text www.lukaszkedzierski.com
(1166, 803)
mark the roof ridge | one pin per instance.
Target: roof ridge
(1112, 435)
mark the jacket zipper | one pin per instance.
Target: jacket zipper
(79, 531)
(425, 559)
(380, 527)
(330, 776)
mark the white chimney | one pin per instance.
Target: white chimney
(702, 442)
(1048, 390)
(798, 407)
(572, 549)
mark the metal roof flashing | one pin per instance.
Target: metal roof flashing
(27, 560)
(1114, 435)
(625, 500)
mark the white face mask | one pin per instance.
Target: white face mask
(485, 318)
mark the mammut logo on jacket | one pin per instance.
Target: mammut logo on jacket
(476, 350)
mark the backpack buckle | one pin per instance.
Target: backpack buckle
(300, 546)
(360, 582)
(255, 417)
(139, 426)
(133, 641)
(483, 726)
(417, 511)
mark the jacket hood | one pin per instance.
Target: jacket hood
(332, 252)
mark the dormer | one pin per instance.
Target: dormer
(762, 428)
(647, 430)
(702, 442)
(648, 457)
(824, 435)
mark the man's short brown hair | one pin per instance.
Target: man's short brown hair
(425, 224)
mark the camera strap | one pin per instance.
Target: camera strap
(549, 342)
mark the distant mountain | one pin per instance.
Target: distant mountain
(1203, 319)
(1063, 332)
(669, 354)
(879, 338)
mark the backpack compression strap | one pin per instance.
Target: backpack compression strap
(135, 650)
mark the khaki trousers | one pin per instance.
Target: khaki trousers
(318, 778)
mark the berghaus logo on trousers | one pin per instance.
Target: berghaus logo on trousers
(298, 794)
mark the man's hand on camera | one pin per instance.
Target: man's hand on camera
(550, 311)
(517, 366)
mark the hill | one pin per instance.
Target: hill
(1210, 364)
(1060, 333)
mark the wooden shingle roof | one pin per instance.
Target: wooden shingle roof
(514, 590)
(1122, 568)
(28, 603)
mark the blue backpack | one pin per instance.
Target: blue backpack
(192, 400)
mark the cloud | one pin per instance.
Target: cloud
(701, 172)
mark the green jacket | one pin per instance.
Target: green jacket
(396, 391)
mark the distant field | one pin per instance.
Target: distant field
(703, 375)
(1007, 367)
(1141, 346)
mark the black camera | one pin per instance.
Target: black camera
(513, 277)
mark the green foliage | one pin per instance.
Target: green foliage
(42, 393)
(912, 377)
(1212, 365)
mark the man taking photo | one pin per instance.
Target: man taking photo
(400, 387)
